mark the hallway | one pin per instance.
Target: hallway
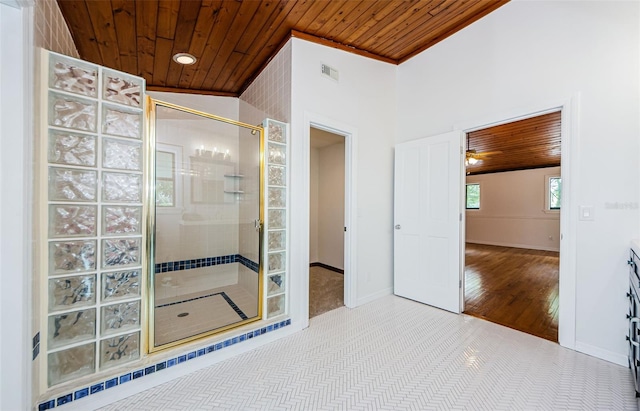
(398, 354)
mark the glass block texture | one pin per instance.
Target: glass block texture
(69, 220)
(120, 187)
(275, 305)
(67, 184)
(277, 219)
(276, 240)
(71, 292)
(122, 89)
(116, 318)
(94, 235)
(120, 284)
(71, 112)
(72, 363)
(277, 132)
(124, 155)
(276, 176)
(275, 284)
(71, 327)
(72, 256)
(120, 349)
(70, 148)
(277, 154)
(121, 122)
(120, 252)
(276, 262)
(277, 197)
(121, 220)
(72, 77)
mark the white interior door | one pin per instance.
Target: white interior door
(427, 214)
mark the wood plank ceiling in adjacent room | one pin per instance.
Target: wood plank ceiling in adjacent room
(531, 143)
(233, 40)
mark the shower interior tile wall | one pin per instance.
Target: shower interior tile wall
(184, 240)
(177, 283)
(270, 94)
(51, 31)
(182, 234)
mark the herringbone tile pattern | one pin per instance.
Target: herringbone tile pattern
(396, 354)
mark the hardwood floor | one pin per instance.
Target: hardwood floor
(514, 287)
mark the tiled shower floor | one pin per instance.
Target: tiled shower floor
(396, 354)
(206, 311)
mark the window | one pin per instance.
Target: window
(165, 179)
(473, 196)
(554, 192)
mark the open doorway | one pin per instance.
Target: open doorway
(512, 227)
(326, 221)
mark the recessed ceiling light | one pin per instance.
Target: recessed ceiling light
(184, 58)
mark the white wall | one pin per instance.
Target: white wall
(363, 101)
(331, 206)
(532, 54)
(15, 176)
(512, 211)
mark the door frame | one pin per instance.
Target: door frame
(570, 110)
(350, 198)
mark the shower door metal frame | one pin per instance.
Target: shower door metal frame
(150, 161)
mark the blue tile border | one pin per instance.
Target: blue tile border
(81, 393)
(114, 381)
(110, 383)
(205, 262)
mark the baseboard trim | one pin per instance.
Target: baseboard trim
(525, 246)
(372, 297)
(328, 267)
(606, 355)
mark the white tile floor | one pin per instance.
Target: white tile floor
(395, 354)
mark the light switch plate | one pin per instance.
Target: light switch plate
(586, 213)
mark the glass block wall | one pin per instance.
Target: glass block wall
(93, 244)
(276, 221)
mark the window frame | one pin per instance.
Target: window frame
(177, 179)
(547, 193)
(466, 196)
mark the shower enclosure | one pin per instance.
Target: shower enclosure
(206, 224)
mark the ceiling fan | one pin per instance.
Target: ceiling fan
(473, 157)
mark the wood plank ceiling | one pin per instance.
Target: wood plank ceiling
(531, 143)
(233, 40)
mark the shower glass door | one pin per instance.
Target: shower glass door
(206, 225)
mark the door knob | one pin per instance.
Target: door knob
(397, 227)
